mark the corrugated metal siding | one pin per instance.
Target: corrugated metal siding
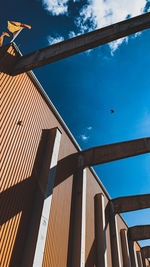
(21, 101)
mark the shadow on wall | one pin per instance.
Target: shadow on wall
(21, 197)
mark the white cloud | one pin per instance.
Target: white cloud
(115, 44)
(144, 125)
(56, 7)
(71, 34)
(100, 13)
(89, 128)
(54, 40)
(84, 137)
(137, 34)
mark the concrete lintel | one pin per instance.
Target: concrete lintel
(131, 203)
(139, 232)
(107, 153)
(81, 43)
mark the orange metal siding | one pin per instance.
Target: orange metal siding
(21, 101)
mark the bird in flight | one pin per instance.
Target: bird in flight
(112, 111)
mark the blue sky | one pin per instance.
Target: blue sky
(84, 88)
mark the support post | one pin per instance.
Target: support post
(139, 259)
(116, 260)
(45, 176)
(133, 255)
(100, 231)
(76, 244)
(83, 226)
(143, 261)
(146, 251)
(125, 248)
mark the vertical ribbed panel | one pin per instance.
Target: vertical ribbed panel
(8, 239)
(23, 115)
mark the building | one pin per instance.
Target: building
(44, 172)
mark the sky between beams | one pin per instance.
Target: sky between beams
(94, 14)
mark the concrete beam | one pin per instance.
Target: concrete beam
(81, 43)
(140, 232)
(146, 251)
(116, 151)
(131, 203)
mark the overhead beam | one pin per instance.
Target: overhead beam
(81, 43)
(116, 151)
(146, 251)
(140, 232)
(131, 203)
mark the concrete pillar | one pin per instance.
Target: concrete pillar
(125, 248)
(100, 231)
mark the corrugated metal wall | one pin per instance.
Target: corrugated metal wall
(24, 113)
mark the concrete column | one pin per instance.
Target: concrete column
(40, 245)
(76, 244)
(143, 261)
(83, 223)
(139, 259)
(125, 248)
(134, 262)
(115, 249)
(44, 174)
(100, 231)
